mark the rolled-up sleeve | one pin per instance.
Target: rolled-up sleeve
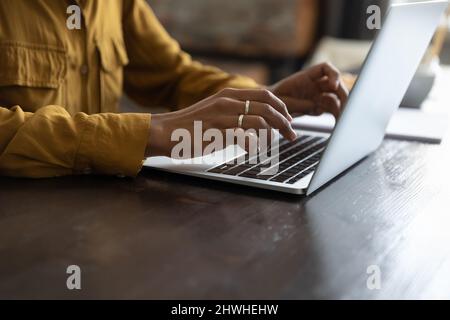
(51, 142)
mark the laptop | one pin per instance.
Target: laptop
(314, 159)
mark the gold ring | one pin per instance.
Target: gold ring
(247, 107)
(240, 121)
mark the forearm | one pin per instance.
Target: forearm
(160, 73)
(52, 143)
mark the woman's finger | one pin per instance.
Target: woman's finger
(329, 102)
(325, 70)
(273, 118)
(325, 86)
(342, 93)
(258, 95)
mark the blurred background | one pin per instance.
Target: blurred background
(270, 39)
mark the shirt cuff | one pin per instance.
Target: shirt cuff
(113, 144)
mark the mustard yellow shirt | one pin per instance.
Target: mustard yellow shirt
(59, 88)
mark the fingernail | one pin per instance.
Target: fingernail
(293, 134)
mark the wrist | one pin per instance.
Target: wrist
(277, 88)
(271, 88)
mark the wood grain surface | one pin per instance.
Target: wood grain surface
(166, 236)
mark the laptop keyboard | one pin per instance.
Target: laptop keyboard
(296, 160)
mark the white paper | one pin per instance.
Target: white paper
(406, 124)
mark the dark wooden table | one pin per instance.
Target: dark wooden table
(167, 236)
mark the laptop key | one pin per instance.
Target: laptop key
(289, 155)
(221, 168)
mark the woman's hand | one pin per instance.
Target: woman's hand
(221, 111)
(313, 91)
